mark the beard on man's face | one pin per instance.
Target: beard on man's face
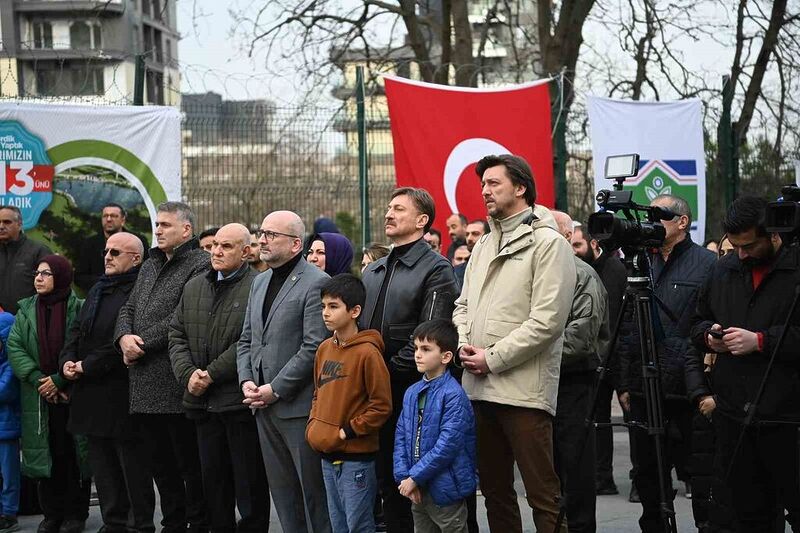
(755, 262)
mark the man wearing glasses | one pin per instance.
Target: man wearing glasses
(99, 398)
(90, 263)
(275, 358)
(18, 259)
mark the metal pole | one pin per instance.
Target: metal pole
(725, 141)
(363, 181)
(138, 81)
(560, 159)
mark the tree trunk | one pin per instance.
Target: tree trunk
(462, 51)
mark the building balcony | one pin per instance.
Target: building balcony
(98, 7)
(44, 54)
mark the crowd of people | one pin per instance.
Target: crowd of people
(236, 370)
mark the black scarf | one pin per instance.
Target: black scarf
(104, 284)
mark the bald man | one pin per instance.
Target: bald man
(275, 358)
(586, 339)
(99, 400)
(202, 349)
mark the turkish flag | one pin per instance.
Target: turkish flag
(439, 133)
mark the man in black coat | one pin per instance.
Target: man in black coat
(410, 285)
(99, 395)
(19, 257)
(679, 268)
(90, 263)
(615, 280)
(142, 335)
(741, 314)
(202, 343)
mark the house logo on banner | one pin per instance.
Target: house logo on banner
(668, 136)
(26, 170)
(676, 177)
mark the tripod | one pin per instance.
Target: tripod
(640, 294)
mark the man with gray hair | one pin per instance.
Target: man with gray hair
(275, 358)
(18, 259)
(202, 346)
(679, 269)
(155, 396)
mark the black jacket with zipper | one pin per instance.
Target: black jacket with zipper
(728, 299)
(421, 287)
(203, 335)
(676, 285)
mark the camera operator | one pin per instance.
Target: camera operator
(747, 299)
(679, 268)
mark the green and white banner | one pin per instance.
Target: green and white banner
(668, 136)
(62, 163)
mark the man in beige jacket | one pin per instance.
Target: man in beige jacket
(511, 315)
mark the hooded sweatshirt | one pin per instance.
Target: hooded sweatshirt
(351, 392)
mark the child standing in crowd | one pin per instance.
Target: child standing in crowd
(434, 451)
(352, 400)
(9, 433)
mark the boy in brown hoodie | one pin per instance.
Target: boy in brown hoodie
(352, 400)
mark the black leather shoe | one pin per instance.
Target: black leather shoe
(606, 488)
(49, 525)
(633, 497)
(72, 526)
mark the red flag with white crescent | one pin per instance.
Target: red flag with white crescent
(439, 133)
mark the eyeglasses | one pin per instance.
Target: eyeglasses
(270, 235)
(43, 273)
(115, 253)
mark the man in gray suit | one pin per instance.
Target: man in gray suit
(275, 358)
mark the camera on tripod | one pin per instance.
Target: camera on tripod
(783, 216)
(641, 227)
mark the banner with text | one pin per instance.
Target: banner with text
(668, 136)
(440, 132)
(62, 163)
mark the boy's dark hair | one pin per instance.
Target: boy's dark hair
(745, 213)
(347, 288)
(440, 331)
(517, 169)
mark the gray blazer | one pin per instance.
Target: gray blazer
(285, 345)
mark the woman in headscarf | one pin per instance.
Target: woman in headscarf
(331, 252)
(49, 452)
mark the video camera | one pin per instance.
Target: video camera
(783, 216)
(641, 228)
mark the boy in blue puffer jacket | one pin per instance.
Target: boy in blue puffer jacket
(434, 450)
(9, 433)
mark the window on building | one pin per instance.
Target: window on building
(147, 34)
(69, 79)
(158, 47)
(155, 87)
(97, 37)
(168, 51)
(80, 36)
(42, 35)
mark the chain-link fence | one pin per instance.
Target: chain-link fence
(242, 159)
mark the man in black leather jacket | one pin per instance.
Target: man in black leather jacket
(679, 268)
(411, 285)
